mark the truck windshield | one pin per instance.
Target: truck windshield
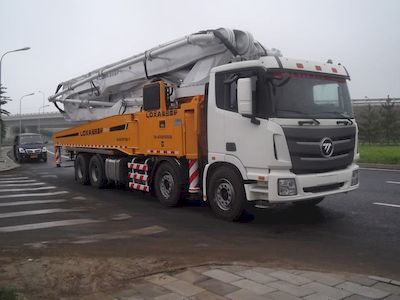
(297, 95)
(31, 139)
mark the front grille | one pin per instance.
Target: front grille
(323, 188)
(304, 144)
(33, 151)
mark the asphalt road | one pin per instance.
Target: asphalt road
(346, 233)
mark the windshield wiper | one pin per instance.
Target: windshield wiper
(313, 121)
(343, 115)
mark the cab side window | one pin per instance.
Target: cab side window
(226, 91)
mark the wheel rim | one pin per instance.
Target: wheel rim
(95, 173)
(224, 195)
(166, 185)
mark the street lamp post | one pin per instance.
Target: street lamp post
(1, 123)
(20, 115)
(42, 107)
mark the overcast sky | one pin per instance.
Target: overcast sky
(70, 38)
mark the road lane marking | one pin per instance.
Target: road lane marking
(33, 195)
(119, 235)
(49, 176)
(29, 202)
(22, 184)
(44, 225)
(393, 182)
(387, 204)
(52, 153)
(28, 189)
(37, 212)
(13, 178)
(373, 169)
(18, 181)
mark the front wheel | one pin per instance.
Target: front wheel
(226, 194)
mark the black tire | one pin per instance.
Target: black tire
(168, 184)
(44, 159)
(226, 194)
(309, 203)
(82, 168)
(97, 173)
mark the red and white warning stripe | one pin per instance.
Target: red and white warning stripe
(140, 167)
(193, 176)
(137, 176)
(57, 155)
(162, 151)
(138, 186)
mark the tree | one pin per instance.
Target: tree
(390, 121)
(3, 100)
(369, 124)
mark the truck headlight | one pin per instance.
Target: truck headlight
(44, 149)
(354, 177)
(21, 150)
(287, 187)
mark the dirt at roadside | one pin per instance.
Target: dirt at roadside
(71, 277)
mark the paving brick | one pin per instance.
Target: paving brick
(393, 297)
(217, 287)
(395, 282)
(244, 295)
(279, 295)
(149, 290)
(255, 276)
(394, 289)
(131, 298)
(294, 279)
(255, 287)
(170, 296)
(378, 278)
(324, 278)
(183, 288)
(326, 290)
(355, 297)
(364, 291)
(234, 268)
(206, 295)
(191, 276)
(292, 289)
(222, 275)
(160, 279)
(360, 279)
(201, 269)
(263, 270)
(317, 296)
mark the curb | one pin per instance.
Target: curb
(380, 166)
(8, 164)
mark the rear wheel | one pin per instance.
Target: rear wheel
(97, 174)
(168, 184)
(226, 194)
(82, 168)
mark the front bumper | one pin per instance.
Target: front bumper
(309, 186)
(26, 156)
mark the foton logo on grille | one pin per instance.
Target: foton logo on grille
(326, 147)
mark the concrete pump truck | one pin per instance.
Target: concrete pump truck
(215, 114)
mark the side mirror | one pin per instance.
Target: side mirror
(245, 96)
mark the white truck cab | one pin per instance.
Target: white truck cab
(286, 125)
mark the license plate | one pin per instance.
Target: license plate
(34, 156)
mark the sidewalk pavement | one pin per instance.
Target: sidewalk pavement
(6, 163)
(236, 282)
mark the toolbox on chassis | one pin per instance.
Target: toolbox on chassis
(256, 127)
